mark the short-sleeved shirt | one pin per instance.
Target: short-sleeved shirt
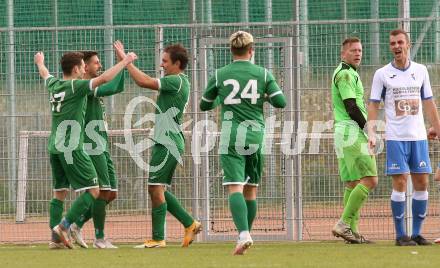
(95, 110)
(346, 84)
(241, 88)
(68, 99)
(171, 104)
(402, 92)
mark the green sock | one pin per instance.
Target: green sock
(347, 192)
(354, 203)
(79, 207)
(158, 215)
(355, 221)
(252, 211)
(176, 209)
(239, 212)
(84, 218)
(99, 217)
(56, 208)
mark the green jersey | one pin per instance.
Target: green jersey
(68, 99)
(346, 84)
(95, 111)
(171, 104)
(242, 88)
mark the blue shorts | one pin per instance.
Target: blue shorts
(407, 157)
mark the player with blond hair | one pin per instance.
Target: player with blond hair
(241, 88)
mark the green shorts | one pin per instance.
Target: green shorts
(162, 158)
(106, 171)
(242, 169)
(354, 161)
(81, 175)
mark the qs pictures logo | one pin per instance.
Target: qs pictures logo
(164, 125)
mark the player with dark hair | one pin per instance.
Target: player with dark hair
(95, 120)
(169, 146)
(404, 87)
(71, 165)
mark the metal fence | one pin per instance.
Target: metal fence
(300, 196)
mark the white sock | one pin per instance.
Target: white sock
(398, 196)
(244, 235)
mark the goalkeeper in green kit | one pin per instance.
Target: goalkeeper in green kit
(357, 168)
(241, 88)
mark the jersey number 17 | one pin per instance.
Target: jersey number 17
(56, 100)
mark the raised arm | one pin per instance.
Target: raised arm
(139, 77)
(42, 69)
(111, 88)
(109, 74)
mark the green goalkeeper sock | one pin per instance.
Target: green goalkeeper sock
(79, 207)
(238, 208)
(176, 209)
(354, 203)
(347, 192)
(158, 215)
(56, 208)
(252, 211)
(99, 217)
(355, 221)
(84, 218)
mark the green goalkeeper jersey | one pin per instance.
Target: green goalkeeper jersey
(242, 88)
(346, 84)
(68, 100)
(95, 117)
(171, 104)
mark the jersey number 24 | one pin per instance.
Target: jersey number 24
(248, 92)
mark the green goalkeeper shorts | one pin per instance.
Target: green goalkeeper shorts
(354, 161)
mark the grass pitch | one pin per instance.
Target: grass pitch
(262, 254)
